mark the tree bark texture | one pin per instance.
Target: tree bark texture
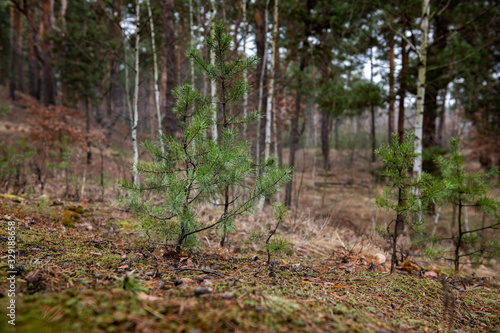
(49, 87)
(402, 89)
(436, 81)
(170, 121)
(391, 90)
(421, 85)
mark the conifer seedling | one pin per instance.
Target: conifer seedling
(465, 189)
(398, 160)
(194, 169)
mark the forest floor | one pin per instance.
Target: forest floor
(84, 265)
(84, 268)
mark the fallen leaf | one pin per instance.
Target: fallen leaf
(146, 297)
(431, 274)
(409, 267)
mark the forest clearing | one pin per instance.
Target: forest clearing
(249, 166)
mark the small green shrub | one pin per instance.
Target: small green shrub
(399, 196)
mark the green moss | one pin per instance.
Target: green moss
(69, 218)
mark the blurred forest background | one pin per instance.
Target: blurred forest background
(84, 81)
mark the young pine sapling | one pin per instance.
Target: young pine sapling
(466, 189)
(194, 169)
(398, 160)
(279, 244)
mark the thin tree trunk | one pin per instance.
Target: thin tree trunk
(136, 96)
(33, 75)
(402, 90)
(325, 141)
(181, 47)
(170, 122)
(212, 62)
(87, 129)
(49, 88)
(270, 89)
(19, 52)
(337, 133)
(261, 79)
(191, 39)
(442, 120)
(12, 51)
(155, 72)
(419, 116)
(294, 142)
(245, 96)
(391, 90)
(372, 111)
(62, 12)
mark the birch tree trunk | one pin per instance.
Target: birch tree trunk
(212, 62)
(261, 80)
(136, 95)
(391, 90)
(422, 66)
(245, 96)
(270, 90)
(402, 89)
(155, 72)
(419, 116)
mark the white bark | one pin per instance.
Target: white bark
(422, 67)
(261, 81)
(270, 89)
(436, 220)
(136, 96)
(155, 73)
(212, 62)
(419, 116)
(245, 96)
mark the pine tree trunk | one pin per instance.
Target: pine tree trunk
(19, 52)
(155, 72)
(170, 122)
(49, 88)
(442, 121)
(191, 39)
(33, 68)
(114, 96)
(12, 51)
(294, 142)
(181, 47)
(422, 67)
(325, 139)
